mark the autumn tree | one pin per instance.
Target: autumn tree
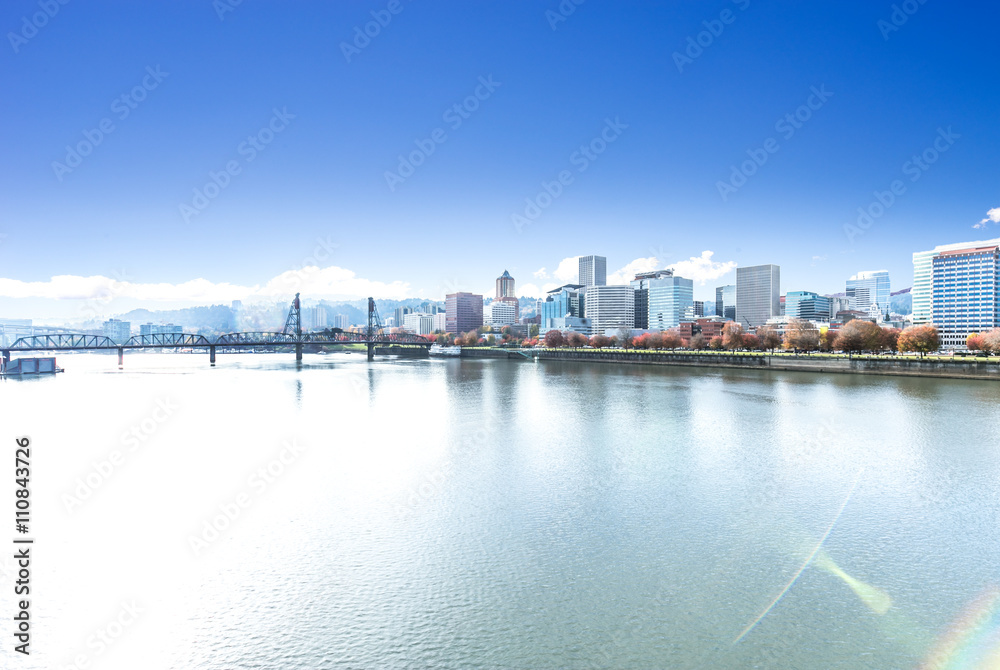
(470, 339)
(491, 339)
(576, 340)
(974, 342)
(697, 342)
(922, 339)
(802, 335)
(991, 341)
(716, 343)
(554, 339)
(625, 336)
(732, 336)
(751, 342)
(826, 338)
(655, 340)
(889, 340)
(672, 340)
(858, 335)
(768, 337)
(600, 341)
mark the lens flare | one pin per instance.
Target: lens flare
(972, 642)
(876, 599)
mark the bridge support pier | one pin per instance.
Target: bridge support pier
(298, 351)
(121, 357)
(211, 355)
(371, 351)
(5, 361)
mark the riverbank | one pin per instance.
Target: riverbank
(907, 366)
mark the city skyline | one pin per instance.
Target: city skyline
(214, 180)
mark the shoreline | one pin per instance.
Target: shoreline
(888, 366)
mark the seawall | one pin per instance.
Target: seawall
(932, 366)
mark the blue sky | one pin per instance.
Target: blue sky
(330, 121)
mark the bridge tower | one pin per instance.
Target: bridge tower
(293, 326)
(374, 328)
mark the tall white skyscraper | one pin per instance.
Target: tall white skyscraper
(758, 294)
(923, 270)
(593, 271)
(609, 308)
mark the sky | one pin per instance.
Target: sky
(162, 154)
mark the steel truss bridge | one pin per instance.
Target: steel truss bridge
(374, 335)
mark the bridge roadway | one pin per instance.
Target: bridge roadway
(82, 342)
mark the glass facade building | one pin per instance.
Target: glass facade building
(641, 287)
(807, 305)
(563, 309)
(923, 267)
(965, 296)
(758, 294)
(669, 298)
(725, 302)
(867, 288)
(610, 308)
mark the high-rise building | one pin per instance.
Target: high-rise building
(236, 306)
(923, 268)
(725, 301)
(400, 314)
(563, 309)
(641, 287)
(506, 294)
(502, 313)
(419, 323)
(837, 304)
(593, 271)
(611, 307)
(505, 286)
(440, 322)
(669, 297)
(966, 293)
(159, 329)
(341, 321)
(117, 331)
(807, 305)
(758, 289)
(699, 308)
(867, 288)
(313, 318)
(463, 312)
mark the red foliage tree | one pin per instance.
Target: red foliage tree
(716, 343)
(922, 339)
(732, 336)
(600, 341)
(554, 339)
(576, 340)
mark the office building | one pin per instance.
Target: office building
(669, 298)
(923, 268)
(758, 291)
(506, 294)
(419, 323)
(593, 271)
(159, 329)
(610, 308)
(341, 321)
(501, 313)
(725, 302)
(563, 309)
(807, 305)
(699, 308)
(441, 322)
(867, 288)
(313, 318)
(838, 304)
(117, 331)
(641, 287)
(400, 314)
(965, 293)
(463, 312)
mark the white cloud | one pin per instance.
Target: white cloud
(627, 273)
(702, 268)
(330, 282)
(992, 215)
(541, 274)
(568, 270)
